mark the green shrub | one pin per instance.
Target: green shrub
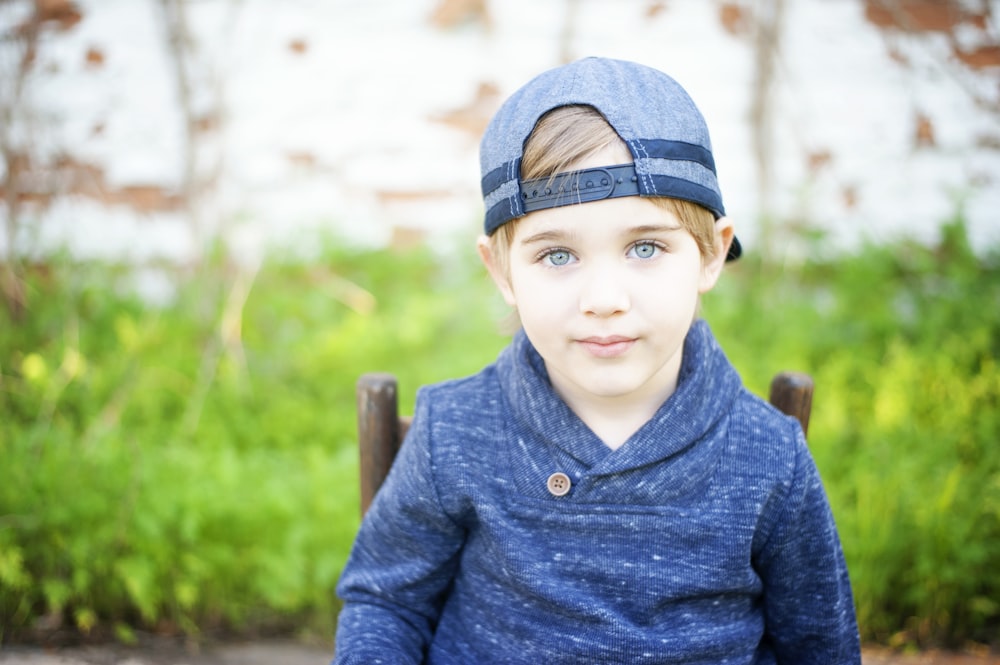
(192, 467)
(902, 341)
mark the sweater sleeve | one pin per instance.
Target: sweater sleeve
(401, 564)
(808, 604)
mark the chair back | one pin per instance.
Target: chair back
(381, 429)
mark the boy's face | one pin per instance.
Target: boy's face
(606, 292)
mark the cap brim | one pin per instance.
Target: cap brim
(735, 250)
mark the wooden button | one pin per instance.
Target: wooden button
(559, 484)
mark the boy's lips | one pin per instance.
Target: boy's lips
(607, 347)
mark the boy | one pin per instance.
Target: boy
(606, 491)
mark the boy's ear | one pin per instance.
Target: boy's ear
(497, 272)
(712, 268)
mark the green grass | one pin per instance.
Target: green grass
(193, 467)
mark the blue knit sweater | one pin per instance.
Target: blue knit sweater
(705, 538)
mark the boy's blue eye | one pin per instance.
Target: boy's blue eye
(644, 250)
(559, 257)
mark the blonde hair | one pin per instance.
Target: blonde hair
(569, 134)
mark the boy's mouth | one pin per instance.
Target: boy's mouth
(607, 347)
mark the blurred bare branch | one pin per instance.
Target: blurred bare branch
(180, 46)
(767, 46)
(199, 78)
(18, 51)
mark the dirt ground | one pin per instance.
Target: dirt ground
(257, 653)
(290, 653)
(874, 656)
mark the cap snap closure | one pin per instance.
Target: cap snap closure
(559, 484)
(603, 182)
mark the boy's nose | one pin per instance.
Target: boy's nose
(603, 293)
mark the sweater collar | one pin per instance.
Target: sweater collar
(706, 386)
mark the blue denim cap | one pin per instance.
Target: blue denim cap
(654, 116)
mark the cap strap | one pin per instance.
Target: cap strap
(606, 182)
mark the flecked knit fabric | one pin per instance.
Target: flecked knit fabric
(705, 538)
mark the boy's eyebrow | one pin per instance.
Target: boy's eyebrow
(546, 236)
(653, 228)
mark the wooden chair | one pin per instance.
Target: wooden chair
(381, 429)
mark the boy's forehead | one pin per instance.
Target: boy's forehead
(597, 220)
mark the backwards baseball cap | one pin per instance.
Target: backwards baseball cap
(654, 116)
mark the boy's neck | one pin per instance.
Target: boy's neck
(614, 419)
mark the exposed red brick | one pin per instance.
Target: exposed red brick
(473, 117)
(63, 13)
(145, 198)
(40, 184)
(207, 122)
(387, 196)
(980, 58)
(817, 159)
(450, 13)
(656, 8)
(735, 18)
(302, 159)
(921, 15)
(849, 195)
(94, 57)
(923, 135)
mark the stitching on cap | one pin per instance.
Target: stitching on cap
(510, 199)
(640, 148)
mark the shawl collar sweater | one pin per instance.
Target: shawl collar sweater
(705, 538)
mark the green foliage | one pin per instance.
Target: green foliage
(193, 466)
(902, 341)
